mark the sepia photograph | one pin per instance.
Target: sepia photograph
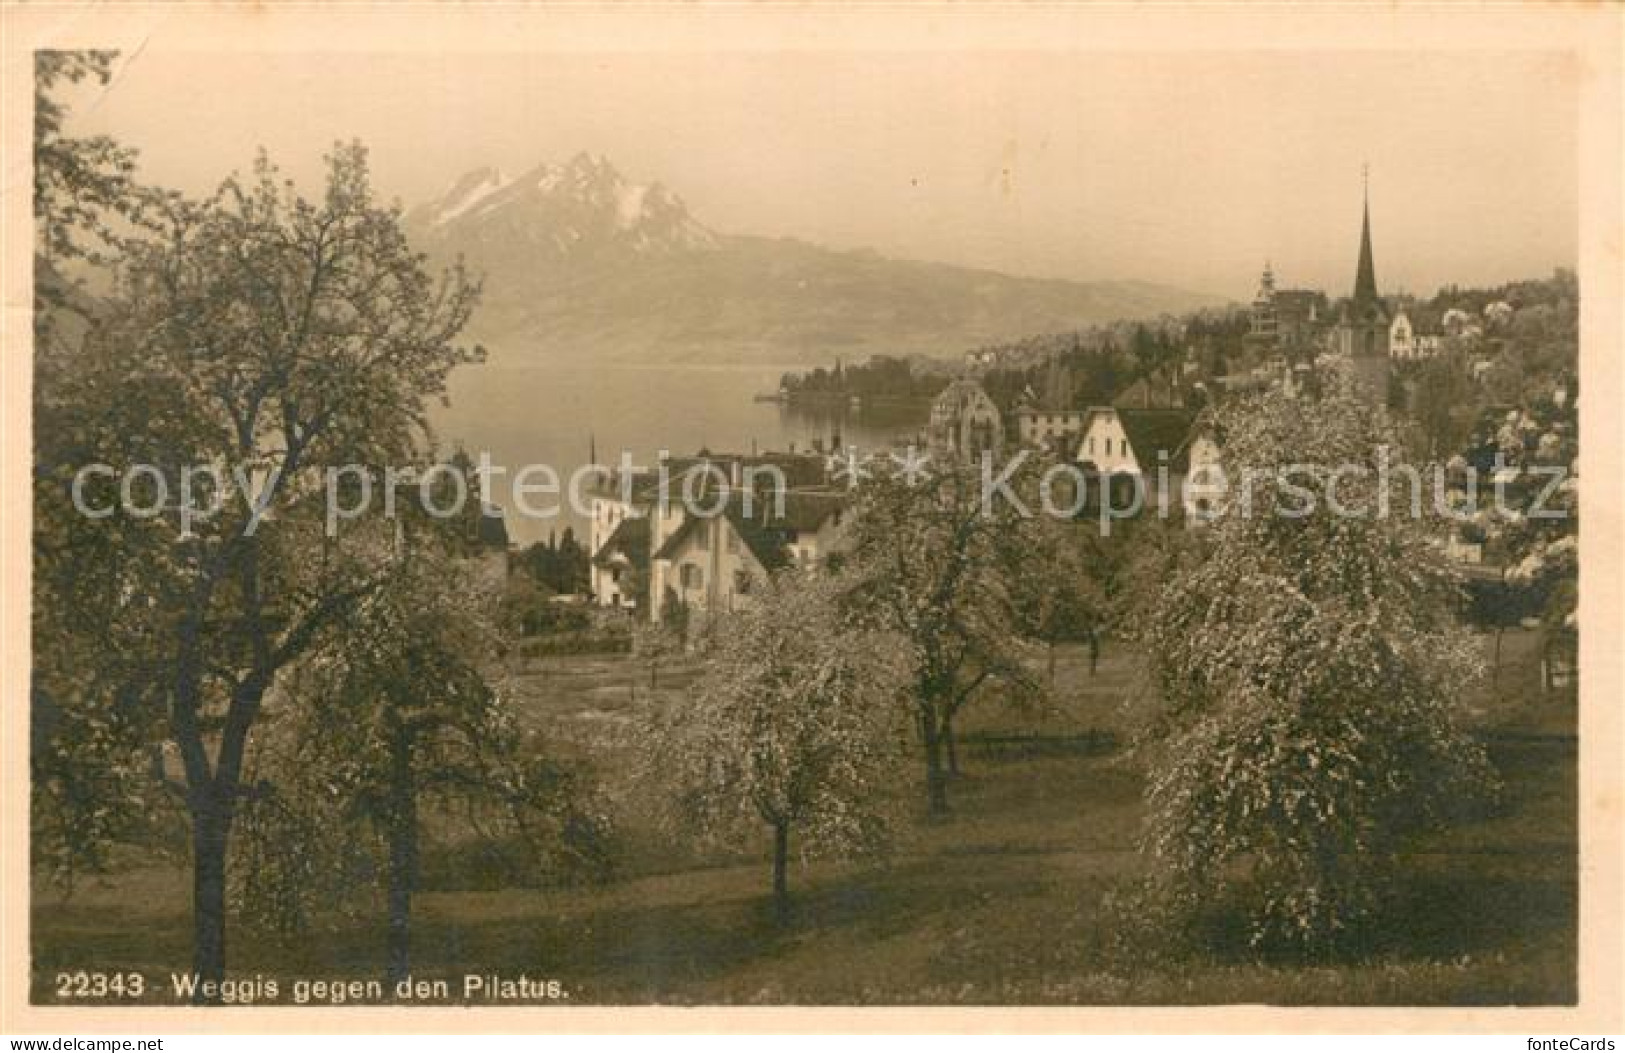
(704, 506)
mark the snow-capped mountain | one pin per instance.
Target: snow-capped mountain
(580, 263)
(571, 212)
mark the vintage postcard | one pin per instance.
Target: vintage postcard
(916, 517)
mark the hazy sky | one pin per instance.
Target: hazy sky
(1187, 168)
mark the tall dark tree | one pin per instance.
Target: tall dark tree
(83, 186)
(88, 675)
(275, 343)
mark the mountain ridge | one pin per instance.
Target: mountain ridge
(580, 263)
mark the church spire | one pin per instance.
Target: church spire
(1365, 279)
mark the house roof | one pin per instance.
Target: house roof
(765, 540)
(1424, 319)
(1038, 411)
(768, 528)
(1154, 431)
(1156, 390)
(759, 532)
(796, 469)
(1203, 426)
(807, 510)
(631, 538)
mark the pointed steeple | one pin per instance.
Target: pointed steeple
(1365, 278)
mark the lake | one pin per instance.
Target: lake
(556, 414)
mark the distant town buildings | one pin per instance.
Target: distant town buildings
(982, 357)
(1159, 389)
(1288, 321)
(1038, 426)
(647, 556)
(1300, 318)
(1407, 342)
(1265, 326)
(964, 422)
(1362, 330)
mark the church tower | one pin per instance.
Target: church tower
(1265, 327)
(1362, 332)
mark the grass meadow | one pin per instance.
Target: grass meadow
(1006, 901)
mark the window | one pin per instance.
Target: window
(742, 582)
(692, 577)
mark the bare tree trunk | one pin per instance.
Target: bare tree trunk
(1495, 664)
(951, 745)
(212, 802)
(403, 856)
(210, 811)
(781, 878)
(936, 779)
(213, 794)
(1052, 666)
(211, 826)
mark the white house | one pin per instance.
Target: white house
(712, 563)
(1104, 443)
(634, 515)
(1402, 336)
(1046, 427)
(1133, 441)
(1205, 486)
(1405, 342)
(619, 570)
(1153, 444)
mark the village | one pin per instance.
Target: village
(812, 725)
(650, 557)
